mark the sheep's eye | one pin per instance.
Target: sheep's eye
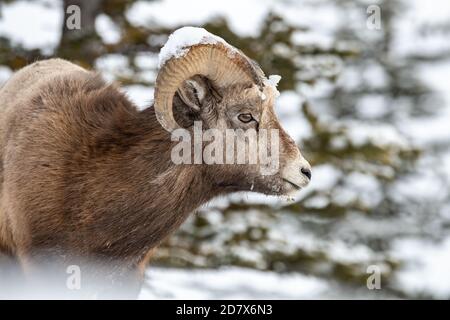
(245, 117)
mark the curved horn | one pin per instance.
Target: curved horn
(219, 62)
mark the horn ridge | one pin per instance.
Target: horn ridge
(222, 64)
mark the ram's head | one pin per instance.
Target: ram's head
(211, 83)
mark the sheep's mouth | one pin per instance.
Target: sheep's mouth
(230, 186)
(292, 184)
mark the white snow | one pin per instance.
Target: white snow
(33, 24)
(5, 73)
(229, 283)
(433, 129)
(141, 95)
(325, 178)
(146, 61)
(416, 16)
(427, 271)
(112, 66)
(181, 39)
(273, 81)
(324, 41)
(361, 186)
(425, 186)
(245, 16)
(376, 133)
(373, 106)
(288, 108)
(107, 29)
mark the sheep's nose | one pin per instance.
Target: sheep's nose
(306, 172)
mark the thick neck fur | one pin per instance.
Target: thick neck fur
(133, 196)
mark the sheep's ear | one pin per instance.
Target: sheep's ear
(193, 92)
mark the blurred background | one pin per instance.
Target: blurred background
(368, 104)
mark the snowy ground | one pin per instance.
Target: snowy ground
(240, 283)
(229, 283)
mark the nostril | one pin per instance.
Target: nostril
(306, 172)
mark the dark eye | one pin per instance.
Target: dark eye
(245, 117)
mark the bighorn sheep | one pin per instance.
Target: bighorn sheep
(84, 174)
